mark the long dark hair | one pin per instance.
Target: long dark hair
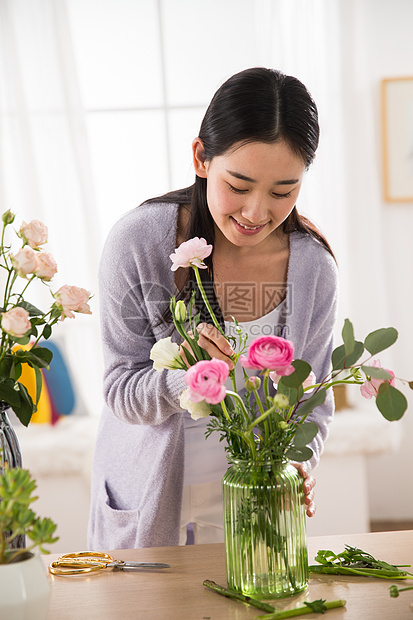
(255, 105)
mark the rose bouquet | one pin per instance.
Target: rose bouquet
(257, 425)
(22, 324)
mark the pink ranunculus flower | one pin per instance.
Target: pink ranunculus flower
(24, 262)
(72, 299)
(311, 379)
(191, 252)
(270, 352)
(370, 387)
(16, 322)
(46, 266)
(34, 233)
(206, 381)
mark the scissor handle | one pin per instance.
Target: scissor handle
(73, 568)
(81, 562)
(94, 556)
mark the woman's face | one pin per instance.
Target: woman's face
(251, 189)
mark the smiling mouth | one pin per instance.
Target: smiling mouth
(249, 227)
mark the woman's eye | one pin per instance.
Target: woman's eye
(287, 195)
(236, 189)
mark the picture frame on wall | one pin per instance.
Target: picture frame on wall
(397, 124)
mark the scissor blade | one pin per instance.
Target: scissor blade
(135, 565)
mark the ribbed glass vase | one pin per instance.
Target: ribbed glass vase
(265, 529)
(10, 455)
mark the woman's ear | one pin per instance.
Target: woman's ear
(198, 155)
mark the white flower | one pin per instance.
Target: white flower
(197, 410)
(165, 354)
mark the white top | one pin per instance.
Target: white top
(205, 459)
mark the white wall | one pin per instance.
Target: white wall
(376, 44)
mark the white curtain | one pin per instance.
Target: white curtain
(45, 167)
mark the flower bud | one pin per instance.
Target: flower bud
(394, 591)
(8, 217)
(180, 312)
(281, 401)
(253, 383)
(283, 425)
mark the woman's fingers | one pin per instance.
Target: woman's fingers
(215, 343)
(309, 483)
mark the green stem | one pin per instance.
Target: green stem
(246, 435)
(206, 302)
(237, 596)
(241, 403)
(261, 418)
(225, 410)
(300, 611)
(29, 281)
(261, 408)
(400, 589)
(361, 572)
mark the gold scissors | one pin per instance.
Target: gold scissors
(90, 561)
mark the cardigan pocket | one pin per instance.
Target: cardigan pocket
(114, 528)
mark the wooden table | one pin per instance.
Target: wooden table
(178, 594)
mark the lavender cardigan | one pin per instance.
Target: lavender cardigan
(137, 476)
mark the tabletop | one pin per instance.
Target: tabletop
(177, 593)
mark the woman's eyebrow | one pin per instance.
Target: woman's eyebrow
(243, 177)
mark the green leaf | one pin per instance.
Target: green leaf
(23, 341)
(26, 409)
(293, 394)
(299, 454)
(37, 356)
(341, 360)
(32, 310)
(391, 402)
(6, 365)
(47, 331)
(302, 370)
(39, 382)
(8, 393)
(377, 373)
(316, 399)
(16, 371)
(304, 434)
(317, 606)
(380, 340)
(348, 337)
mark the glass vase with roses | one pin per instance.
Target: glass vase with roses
(263, 500)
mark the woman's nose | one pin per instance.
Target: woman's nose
(255, 211)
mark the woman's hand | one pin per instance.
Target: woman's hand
(308, 487)
(214, 344)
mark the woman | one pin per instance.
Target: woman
(153, 472)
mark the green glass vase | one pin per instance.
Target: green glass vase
(265, 529)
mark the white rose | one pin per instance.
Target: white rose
(165, 354)
(197, 410)
(72, 299)
(46, 266)
(24, 261)
(34, 233)
(16, 322)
